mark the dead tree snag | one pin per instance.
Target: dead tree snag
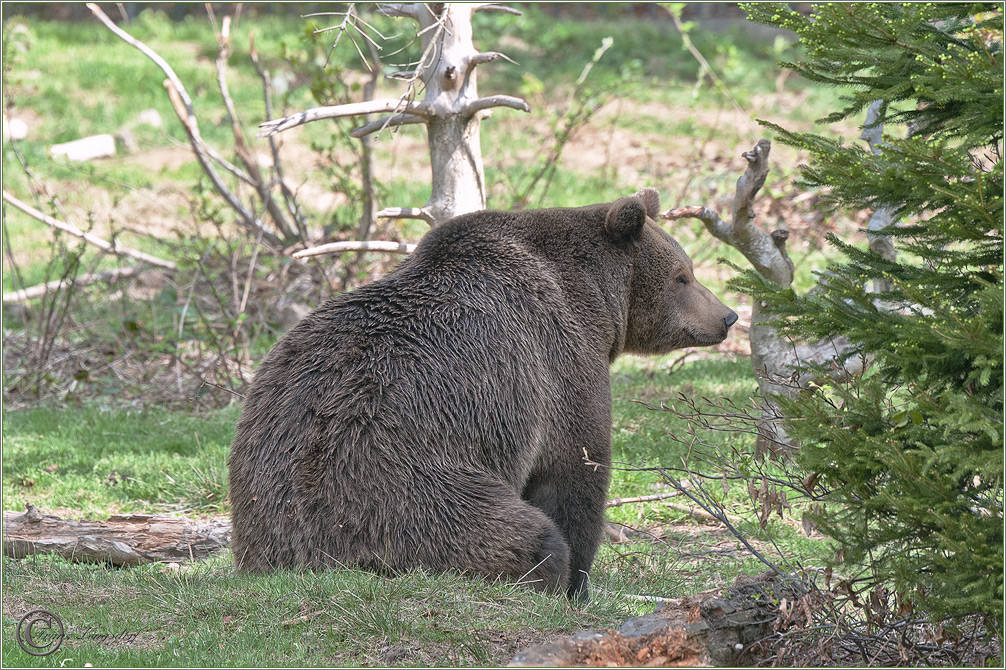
(451, 107)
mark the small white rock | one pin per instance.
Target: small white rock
(85, 149)
(150, 117)
(15, 129)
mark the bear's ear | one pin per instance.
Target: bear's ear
(625, 218)
(651, 200)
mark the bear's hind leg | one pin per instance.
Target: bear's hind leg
(479, 525)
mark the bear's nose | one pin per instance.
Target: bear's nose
(730, 320)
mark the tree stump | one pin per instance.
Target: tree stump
(706, 629)
(123, 539)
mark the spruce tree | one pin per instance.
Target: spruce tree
(909, 455)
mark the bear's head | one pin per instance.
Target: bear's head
(668, 308)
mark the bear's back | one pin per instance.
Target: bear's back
(470, 341)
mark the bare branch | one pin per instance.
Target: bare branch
(182, 104)
(116, 248)
(337, 111)
(291, 200)
(407, 75)
(496, 101)
(493, 7)
(702, 514)
(240, 144)
(39, 290)
(386, 122)
(705, 68)
(365, 245)
(196, 141)
(720, 229)
(618, 502)
(406, 213)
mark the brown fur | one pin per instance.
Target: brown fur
(439, 417)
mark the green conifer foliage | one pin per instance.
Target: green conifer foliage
(910, 454)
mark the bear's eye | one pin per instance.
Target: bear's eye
(681, 279)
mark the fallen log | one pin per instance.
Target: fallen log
(706, 629)
(122, 539)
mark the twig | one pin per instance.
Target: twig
(704, 515)
(392, 121)
(116, 248)
(489, 57)
(723, 517)
(39, 290)
(400, 9)
(240, 144)
(274, 126)
(291, 200)
(364, 245)
(687, 41)
(406, 213)
(618, 502)
(496, 101)
(493, 7)
(251, 274)
(636, 596)
(303, 618)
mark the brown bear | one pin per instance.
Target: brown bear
(449, 415)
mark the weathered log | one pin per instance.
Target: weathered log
(123, 539)
(705, 629)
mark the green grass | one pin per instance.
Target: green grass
(207, 614)
(98, 460)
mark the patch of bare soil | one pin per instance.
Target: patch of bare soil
(160, 159)
(499, 645)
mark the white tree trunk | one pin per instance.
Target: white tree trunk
(451, 107)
